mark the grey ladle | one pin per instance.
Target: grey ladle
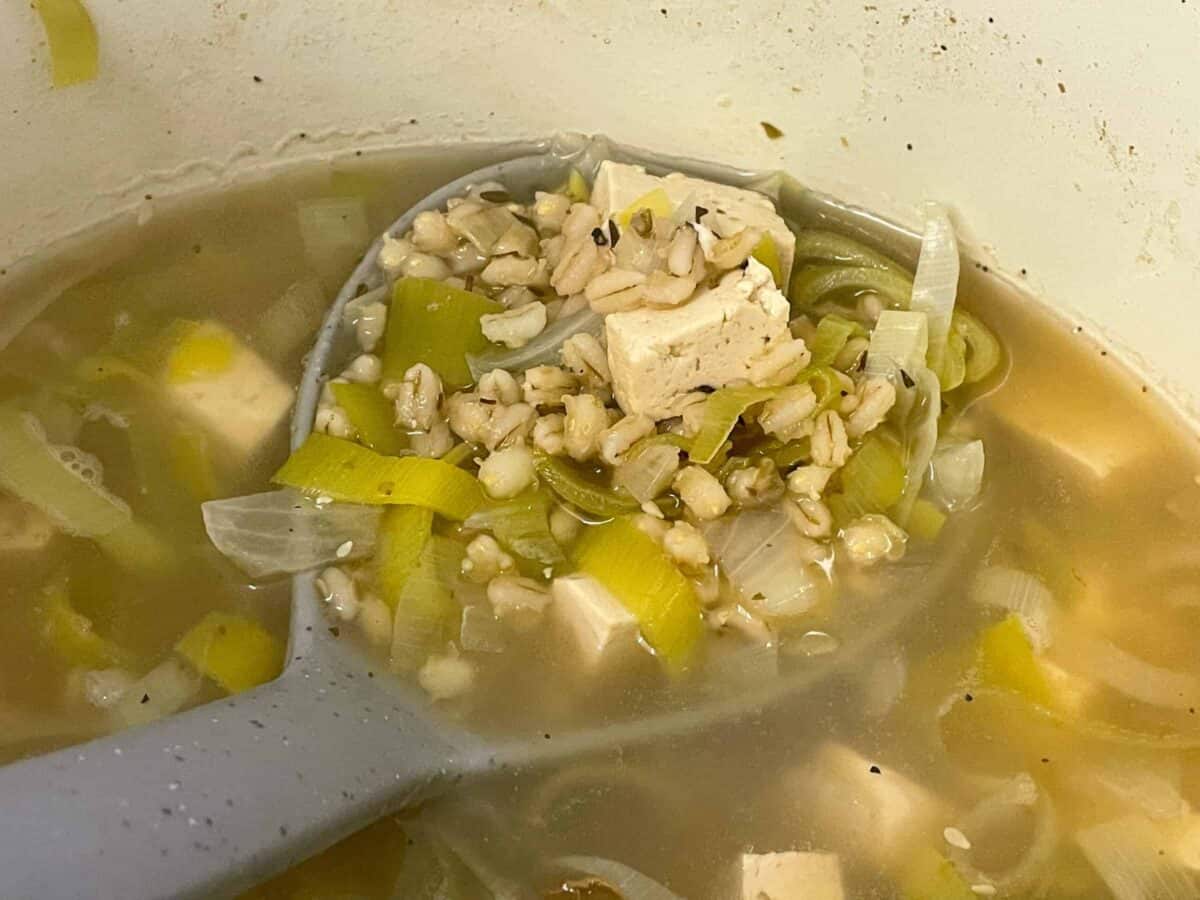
(217, 798)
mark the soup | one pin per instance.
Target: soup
(1029, 730)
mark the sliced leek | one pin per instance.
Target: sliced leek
(433, 323)
(935, 284)
(572, 485)
(983, 350)
(873, 478)
(722, 410)
(639, 574)
(70, 634)
(767, 253)
(899, 344)
(833, 331)
(814, 245)
(372, 416)
(656, 201)
(235, 652)
(343, 470)
(1007, 661)
(521, 524)
(813, 284)
(427, 614)
(403, 533)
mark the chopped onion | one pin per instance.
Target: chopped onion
(920, 439)
(481, 631)
(283, 531)
(1128, 854)
(629, 883)
(163, 690)
(648, 474)
(898, 343)
(543, 350)
(1127, 674)
(769, 561)
(935, 283)
(956, 473)
(1020, 593)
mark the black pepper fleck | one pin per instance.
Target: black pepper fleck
(283, 831)
(968, 698)
(335, 631)
(908, 381)
(599, 237)
(145, 698)
(875, 770)
(1045, 759)
(258, 79)
(546, 735)
(257, 724)
(909, 146)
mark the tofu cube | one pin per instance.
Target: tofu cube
(213, 378)
(601, 625)
(23, 528)
(658, 355)
(867, 807)
(793, 875)
(729, 208)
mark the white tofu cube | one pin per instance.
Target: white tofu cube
(233, 392)
(729, 208)
(599, 622)
(866, 806)
(793, 875)
(24, 528)
(658, 355)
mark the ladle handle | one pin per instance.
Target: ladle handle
(212, 800)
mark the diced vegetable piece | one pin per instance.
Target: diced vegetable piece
(600, 623)
(833, 331)
(427, 614)
(235, 652)
(285, 532)
(873, 477)
(825, 382)
(635, 569)
(165, 689)
(927, 875)
(767, 253)
(1128, 854)
(578, 489)
(372, 415)
(899, 343)
(935, 286)
(545, 349)
(198, 350)
(522, 525)
(770, 563)
(403, 533)
(656, 201)
(436, 324)
(793, 874)
(647, 470)
(39, 474)
(576, 187)
(348, 472)
(1007, 661)
(983, 350)
(74, 47)
(813, 284)
(722, 410)
(71, 635)
(1020, 594)
(814, 245)
(956, 474)
(925, 521)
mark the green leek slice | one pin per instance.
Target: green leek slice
(372, 416)
(349, 472)
(825, 382)
(522, 525)
(436, 324)
(873, 477)
(767, 253)
(722, 410)
(235, 652)
(925, 521)
(578, 489)
(833, 331)
(1007, 662)
(403, 533)
(74, 46)
(816, 246)
(576, 187)
(813, 284)
(31, 470)
(639, 574)
(983, 351)
(426, 612)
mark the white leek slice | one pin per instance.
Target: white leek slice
(1128, 853)
(1127, 674)
(935, 283)
(956, 474)
(279, 532)
(920, 438)
(1021, 594)
(898, 344)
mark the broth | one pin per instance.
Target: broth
(1090, 487)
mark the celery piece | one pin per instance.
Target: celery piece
(572, 485)
(521, 524)
(656, 201)
(873, 477)
(1007, 662)
(35, 471)
(427, 614)
(351, 473)
(639, 574)
(816, 246)
(197, 350)
(235, 652)
(983, 351)
(927, 875)
(833, 331)
(372, 416)
(70, 634)
(436, 324)
(925, 521)
(722, 410)
(74, 46)
(767, 253)
(403, 533)
(812, 284)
